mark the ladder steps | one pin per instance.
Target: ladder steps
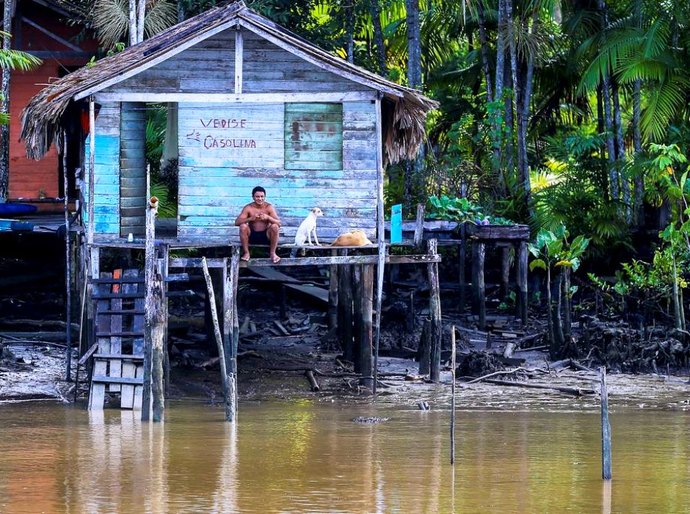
(116, 356)
(113, 312)
(100, 295)
(102, 379)
(120, 334)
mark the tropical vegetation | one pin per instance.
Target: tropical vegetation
(553, 113)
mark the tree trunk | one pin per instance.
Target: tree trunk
(414, 47)
(620, 152)
(375, 11)
(133, 22)
(141, 14)
(557, 314)
(349, 11)
(567, 307)
(413, 169)
(8, 14)
(552, 342)
(484, 49)
(614, 189)
(638, 201)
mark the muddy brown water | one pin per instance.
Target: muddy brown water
(309, 456)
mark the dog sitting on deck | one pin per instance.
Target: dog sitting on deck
(306, 229)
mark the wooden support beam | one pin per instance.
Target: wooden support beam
(505, 271)
(333, 295)
(521, 279)
(479, 287)
(434, 316)
(219, 339)
(153, 404)
(357, 300)
(311, 261)
(345, 311)
(234, 278)
(462, 265)
(365, 322)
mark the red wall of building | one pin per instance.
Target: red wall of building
(30, 179)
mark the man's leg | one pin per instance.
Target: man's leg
(273, 233)
(244, 241)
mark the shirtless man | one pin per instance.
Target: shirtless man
(259, 224)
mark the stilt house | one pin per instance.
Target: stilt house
(249, 103)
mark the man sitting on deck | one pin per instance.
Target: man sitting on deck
(259, 224)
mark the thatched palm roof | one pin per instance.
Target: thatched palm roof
(41, 120)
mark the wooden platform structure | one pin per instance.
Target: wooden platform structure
(248, 103)
(131, 318)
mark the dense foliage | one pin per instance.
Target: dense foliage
(553, 113)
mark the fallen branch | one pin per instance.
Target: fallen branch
(568, 390)
(312, 380)
(505, 372)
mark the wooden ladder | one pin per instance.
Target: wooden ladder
(118, 361)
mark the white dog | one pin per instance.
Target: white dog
(306, 229)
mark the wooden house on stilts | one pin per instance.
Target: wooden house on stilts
(248, 103)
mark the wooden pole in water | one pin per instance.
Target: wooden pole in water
(229, 407)
(365, 327)
(605, 428)
(234, 276)
(522, 281)
(357, 317)
(380, 234)
(345, 310)
(434, 315)
(68, 268)
(452, 395)
(154, 328)
(333, 295)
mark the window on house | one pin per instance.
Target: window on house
(313, 136)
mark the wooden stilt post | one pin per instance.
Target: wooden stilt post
(505, 271)
(333, 295)
(424, 348)
(478, 257)
(418, 236)
(521, 279)
(233, 320)
(452, 395)
(365, 326)
(345, 311)
(153, 400)
(164, 259)
(68, 269)
(462, 258)
(357, 317)
(434, 315)
(219, 339)
(235, 267)
(605, 428)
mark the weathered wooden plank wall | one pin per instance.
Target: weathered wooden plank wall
(305, 154)
(133, 169)
(107, 170)
(226, 150)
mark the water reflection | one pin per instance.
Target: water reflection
(311, 457)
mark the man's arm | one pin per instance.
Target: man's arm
(273, 216)
(244, 217)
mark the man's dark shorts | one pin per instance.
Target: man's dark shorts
(258, 237)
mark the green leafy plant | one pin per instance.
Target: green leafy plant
(553, 250)
(461, 210)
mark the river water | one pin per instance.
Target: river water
(309, 456)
